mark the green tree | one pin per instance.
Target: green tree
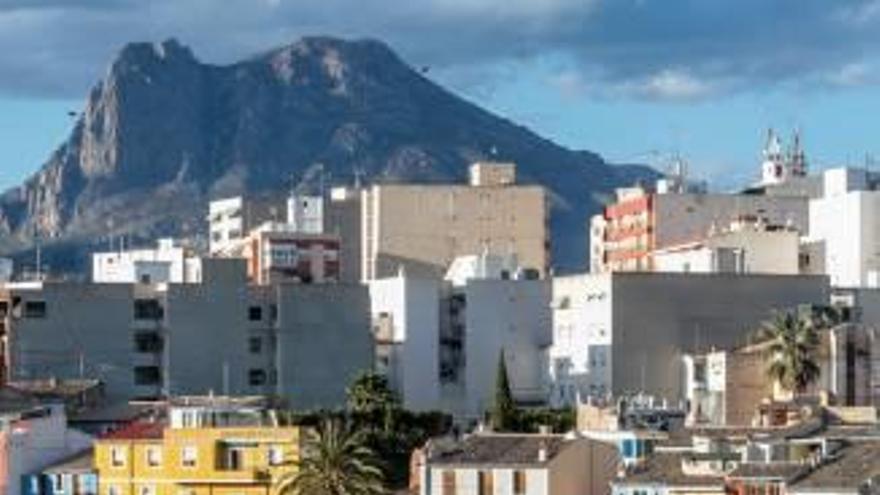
(504, 413)
(793, 342)
(334, 461)
(370, 394)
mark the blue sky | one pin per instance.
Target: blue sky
(634, 80)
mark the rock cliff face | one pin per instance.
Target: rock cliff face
(162, 133)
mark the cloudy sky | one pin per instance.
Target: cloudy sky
(635, 80)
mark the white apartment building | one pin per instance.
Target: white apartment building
(33, 436)
(844, 234)
(220, 334)
(624, 333)
(230, 220)
(746, 246)
(169, 262)
(440, 341)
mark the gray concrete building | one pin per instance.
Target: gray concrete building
(220, 335)
(620, 333)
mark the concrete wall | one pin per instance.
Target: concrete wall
(657, 317)
(324, 342)
(86, 331)
(847, 224)
(584, 466)
(681, 218)
(626, 332)
(206, 343)
(413, 306)
(425, 227)
(508, 315)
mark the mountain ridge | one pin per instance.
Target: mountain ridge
(163, 132)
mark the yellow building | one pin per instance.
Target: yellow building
(207, 446)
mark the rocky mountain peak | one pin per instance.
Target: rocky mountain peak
(163, 133)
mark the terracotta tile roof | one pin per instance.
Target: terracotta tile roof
(665, 467)
(784, 471)
(138, 430)
(850, 468)
(497, 449)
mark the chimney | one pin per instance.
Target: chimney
(542, 452)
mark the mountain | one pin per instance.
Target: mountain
(163, 133)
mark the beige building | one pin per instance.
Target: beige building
(518, 463)
(422, 228)
(748, 245)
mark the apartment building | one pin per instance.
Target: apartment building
(230, 219)
(517, 464)
(440, 341)
(209, 445)
(618, 333)
(844, 237)
(747, 245)
(425, 227)
(169, 262)
(279, 253)
(220, 334)
(626, 235)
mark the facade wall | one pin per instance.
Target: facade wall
(412, 308)
(344, 220)
(847, 225)
(627, 332)
(658, 317)
(425, 227)
(211, 472)
(81, 331)
(584, 466)
(324, 342)
(641, 223)
(512, 316)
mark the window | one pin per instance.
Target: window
(117, 456)
(255, 345)
(35, 309)
(147, 342)
(147, 375)
(189, 456)
(276, 455)
(154, 457)
(148, 309)
(58, 483)
(145, 279)
(519, 483)
(448, 481)
(234, 459)
(256, 377)
(147, 490)
(255, 313)
(485, 483)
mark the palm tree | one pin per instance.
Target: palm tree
(334, 461)
(793, 342)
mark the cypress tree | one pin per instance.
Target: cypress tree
(503, 410)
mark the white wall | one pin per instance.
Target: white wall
(847, 223)
(413, 305)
